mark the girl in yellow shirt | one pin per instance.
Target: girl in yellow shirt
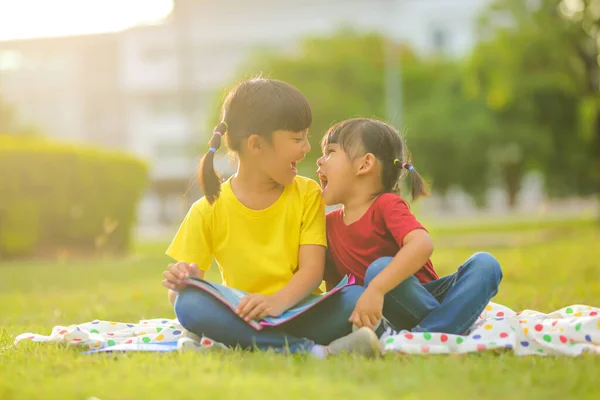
(265, 227)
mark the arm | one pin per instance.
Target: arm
(308, 277)
(192, 243)
(417, 248)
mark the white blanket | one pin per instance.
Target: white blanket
(569, 331)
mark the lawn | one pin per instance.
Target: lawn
(546, 266)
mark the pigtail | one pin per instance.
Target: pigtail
(210, 181)
(418, 184)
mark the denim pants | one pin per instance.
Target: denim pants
(202, 314)
(450, 304)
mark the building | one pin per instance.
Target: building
(67, 86)
(152, 89)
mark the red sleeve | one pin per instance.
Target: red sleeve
(397, 217)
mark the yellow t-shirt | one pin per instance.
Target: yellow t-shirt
(256, 250)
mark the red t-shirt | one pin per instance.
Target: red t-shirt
(378, 233)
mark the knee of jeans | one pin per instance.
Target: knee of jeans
(376, 267)
(487, 266)
(186, 307)
(349, 297)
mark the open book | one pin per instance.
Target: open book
(231, 298)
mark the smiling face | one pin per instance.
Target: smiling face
(336, 173)
(279, 157)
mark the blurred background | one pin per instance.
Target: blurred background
(106, 106)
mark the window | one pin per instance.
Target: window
(10, 60)
(439, 39)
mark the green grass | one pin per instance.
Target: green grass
(546, 267)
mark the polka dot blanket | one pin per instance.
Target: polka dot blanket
(569, 331)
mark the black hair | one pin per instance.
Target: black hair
(256, 106)
(360, 136)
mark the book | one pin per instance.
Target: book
(231, 298)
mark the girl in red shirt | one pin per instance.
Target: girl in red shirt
(376, 238)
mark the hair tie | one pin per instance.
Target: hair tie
(403, 165)
(226, 126)
(212, 149)
(217, 133)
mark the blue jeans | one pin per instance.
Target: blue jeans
(202, 314)
(450, 304)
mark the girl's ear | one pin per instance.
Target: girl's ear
(366, 164)
(254, 143)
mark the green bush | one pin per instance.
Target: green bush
(59, 196)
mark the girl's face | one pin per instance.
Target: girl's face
(280, 157)
(336, 173)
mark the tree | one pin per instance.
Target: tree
(343, 77)
(537, 67)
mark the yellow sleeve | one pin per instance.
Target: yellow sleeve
(192, 243)
(313, 217)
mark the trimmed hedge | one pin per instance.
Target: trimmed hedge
(62, 196)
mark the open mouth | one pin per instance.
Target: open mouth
(323, 180)
(294, 168)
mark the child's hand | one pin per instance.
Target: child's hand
(368, 310)
(177, 273)
(258, 306)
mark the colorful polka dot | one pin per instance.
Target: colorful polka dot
(160, 337)
(526, 330)
(159, 329)
(176, 333)
(164, 321)
(578, 314)
(593, 314)
(481, 347)
(547, 338)
(95, 322)
(427, 336)
(540, 350)
(94, 331)
(578, 326)
(487, 327)
(409, 336)
(207, 342)
(425, 349)
(389, 340)
(444, 338)
(569, 310)
(499, 314)
(588, 338)
(554, 323)
(488, 308)
(508, 346)
(146, 339)
(563, 339)
(111, 342)
(128, 341)
(130, 325)
(459, 340)
(539, 327)
(112, 323)
(492, 344)
(503, 335)
(477, 337)
(525, 344)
